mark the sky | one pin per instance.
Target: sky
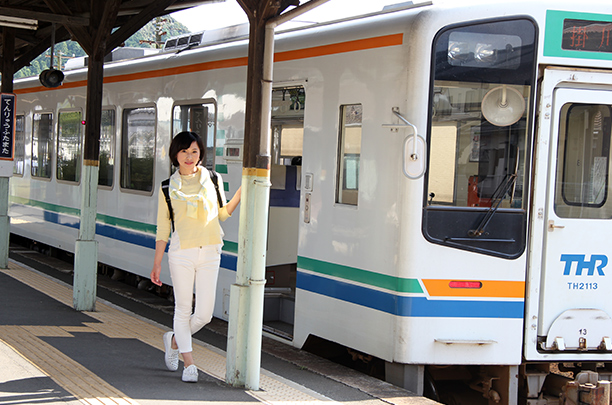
(219, 15)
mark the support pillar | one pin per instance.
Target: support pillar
(5, 221)
(86, 247)
(247, 295)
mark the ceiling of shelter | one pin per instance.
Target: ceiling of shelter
(88, 22)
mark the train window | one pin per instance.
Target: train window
(583, 161)
(349, 152)
(201, 119)
(69, 146)
(287, 125)
(42, 144)
(479, 137)
(19, 156)
(107, 148)
(138, 148)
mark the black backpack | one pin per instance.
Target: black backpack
(166, 184)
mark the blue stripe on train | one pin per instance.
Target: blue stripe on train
(109, 231)
(228, 261)
(408, 306)
(379, 300)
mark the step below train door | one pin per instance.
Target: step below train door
(285, 175)
(575, 308)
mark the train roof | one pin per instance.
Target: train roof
(428, 15)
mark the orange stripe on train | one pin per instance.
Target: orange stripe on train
(489, 288)
(323, 50)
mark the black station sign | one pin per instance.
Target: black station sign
(7, 131)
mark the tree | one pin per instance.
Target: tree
(162, 27)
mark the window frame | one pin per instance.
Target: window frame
(506, 229)
(50, 142)
(341, 192)
(561, 173)
(193, 103)
(113, 148)
(79, 166)
(124, 159)
(23, 148)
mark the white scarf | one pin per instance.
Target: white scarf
(175, 186)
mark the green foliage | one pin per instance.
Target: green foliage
(144, 38)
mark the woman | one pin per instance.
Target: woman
(195, 249)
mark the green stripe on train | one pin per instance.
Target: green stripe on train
(46, 206)
(402, 285)
(105, 219)
(231, 247)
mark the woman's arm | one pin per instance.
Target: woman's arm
(160, 248)
(233, 203)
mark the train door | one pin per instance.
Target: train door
(575, 308)
(281, 258)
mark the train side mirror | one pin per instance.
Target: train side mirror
(51, 77)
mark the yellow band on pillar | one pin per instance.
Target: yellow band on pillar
(252, 171)
(90, 162)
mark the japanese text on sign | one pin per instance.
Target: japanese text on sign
(583, 35)
(7, 129)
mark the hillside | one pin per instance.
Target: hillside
(157, 30)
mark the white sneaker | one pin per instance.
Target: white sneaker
(190, 374)
(172, 355)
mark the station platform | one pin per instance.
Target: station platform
(53, 354)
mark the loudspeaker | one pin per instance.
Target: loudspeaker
(51, 77)
(503, 106)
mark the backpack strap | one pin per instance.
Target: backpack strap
(165, 186)
(215, 180)
(165, 189)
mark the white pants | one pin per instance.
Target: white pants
(188, 267)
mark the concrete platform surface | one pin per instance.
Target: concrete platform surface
(53, 354)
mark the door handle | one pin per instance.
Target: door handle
(552, 226)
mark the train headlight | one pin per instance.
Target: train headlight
(485, 53)
(483, 50)
(458, 52)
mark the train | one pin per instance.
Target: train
(440, 181)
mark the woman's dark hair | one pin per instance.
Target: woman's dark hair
(183, 140)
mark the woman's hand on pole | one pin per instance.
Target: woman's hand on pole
(233, 203)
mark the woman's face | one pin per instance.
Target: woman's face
(188, 159)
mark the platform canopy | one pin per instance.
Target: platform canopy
(38, 22)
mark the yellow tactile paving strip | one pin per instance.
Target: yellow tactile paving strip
(70, 375)
(115, 323)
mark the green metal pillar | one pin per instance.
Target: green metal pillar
(86, 247)
(247, 295)
(5, 221)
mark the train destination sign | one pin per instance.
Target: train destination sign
(585, 35)
(7, 128)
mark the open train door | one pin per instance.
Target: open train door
(574, 214)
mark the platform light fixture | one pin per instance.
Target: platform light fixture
(51, 77)
(17, 22)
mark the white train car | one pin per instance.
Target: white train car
(440, 183)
